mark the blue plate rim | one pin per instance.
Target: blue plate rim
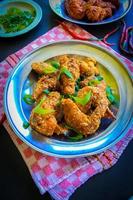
(93, 23)
(35, 22)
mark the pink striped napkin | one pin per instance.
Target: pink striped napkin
(60, 177)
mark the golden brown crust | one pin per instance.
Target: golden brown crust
(38, 67)
(45, 82)
(84, 119)
(86, 124)
(68, 84)
(46, 124)
(75, 8)
(95, 10)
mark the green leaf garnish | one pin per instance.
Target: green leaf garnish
(49, 69)
(111, 98)
(16, 19)
(82, 100)
(99, 78)
(110, 95)
(46, 91)
(28, 99)
(26, 124)
(43, 111)
(65, 71)
(93, 82)
(55, 64)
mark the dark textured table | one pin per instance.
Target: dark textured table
(15, 180)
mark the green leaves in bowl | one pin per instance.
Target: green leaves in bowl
(16, 19)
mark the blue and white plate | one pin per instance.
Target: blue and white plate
(19, 84)
(59, 8)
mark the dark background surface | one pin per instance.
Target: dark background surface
(15, 180)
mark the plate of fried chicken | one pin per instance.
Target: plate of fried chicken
(91, 12)
(69, 99)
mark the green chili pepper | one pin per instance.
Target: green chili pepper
(28, 99)
(55, 64)
(26, 124)
(110, 95)
(65, 71)
(42, 111)
(49, 69)
(46, 91)
(99, 78)
(39, 110)
(82, 100)
(93, 82)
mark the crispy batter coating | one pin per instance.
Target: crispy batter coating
(101, 3)
(84, 119)
(86, 124)
(46, 124)
(88, 66)
(45, 82)
(38, 67)
(63, 59)
(95, 10)
(96, 13)
(95, 95)
(68, 84)
(114, 2)
(75, 8)
(81, 93)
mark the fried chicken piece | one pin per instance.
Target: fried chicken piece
(45, 82)
(88, 66)
(45, 124)
(75, 8)
(86, 124)
(95, 95)
(63, 59)
(38, 67)
(96, 13)
(68, 84)
(114, 2)
(81, 93)
(85, 109)
(101, 3)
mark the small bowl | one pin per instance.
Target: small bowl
(23, 5)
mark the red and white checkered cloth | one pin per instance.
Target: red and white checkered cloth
(60, 177)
